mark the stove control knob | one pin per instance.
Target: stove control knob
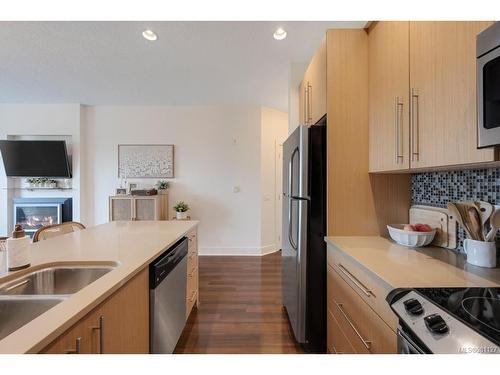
(413, 307)
(436, 324)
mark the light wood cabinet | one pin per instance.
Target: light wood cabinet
(192, 294)
(443, 94)
(422, 96)
(118, 325)
(130, 207)
(312, 98)
(388, 64)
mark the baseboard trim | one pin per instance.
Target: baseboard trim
(237, 251)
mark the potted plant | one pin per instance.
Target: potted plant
(162, 186)
(181, 210)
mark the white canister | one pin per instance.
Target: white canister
(18, 250)
(481, 253)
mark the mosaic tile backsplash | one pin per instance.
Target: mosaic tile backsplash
(439, 188)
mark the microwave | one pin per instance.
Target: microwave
(488, 86)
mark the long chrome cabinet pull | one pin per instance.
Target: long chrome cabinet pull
(367, 344)
(415, 146)
(309, 103)
(306, 95)
(78, 344)
(355, 281)
(398, 110)
(100, 328)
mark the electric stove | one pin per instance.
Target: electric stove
(448, 320)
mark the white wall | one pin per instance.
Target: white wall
(216, 149)
(274, 132)
(39, 120)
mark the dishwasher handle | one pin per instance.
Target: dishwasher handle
(165, 263)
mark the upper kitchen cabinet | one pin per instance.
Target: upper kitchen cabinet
(388, 67)
(443, 94)
(313, 88)
(422, 93)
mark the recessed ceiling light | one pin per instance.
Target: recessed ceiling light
(149, 35)
(279, 34)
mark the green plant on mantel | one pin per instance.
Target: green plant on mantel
(162, 185)
(181, 207)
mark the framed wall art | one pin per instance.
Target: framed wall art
(145, 161)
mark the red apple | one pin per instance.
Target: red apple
(409, 228)
(422, 227)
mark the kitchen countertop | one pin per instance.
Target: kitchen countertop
(403, 267)
(133, 245)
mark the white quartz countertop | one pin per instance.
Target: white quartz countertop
(133, 245)
(403, 267)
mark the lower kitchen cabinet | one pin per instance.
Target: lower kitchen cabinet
(118, 325)
(192, 273)
(353, 324)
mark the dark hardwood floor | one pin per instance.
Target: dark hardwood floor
(240, 308)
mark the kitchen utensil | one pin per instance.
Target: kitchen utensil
(481, 253)
(475, 223)
(454, 210)
(485, 210)
(410, 239)
(437, 217)
(495, 225)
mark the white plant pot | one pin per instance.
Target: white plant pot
(181, 215)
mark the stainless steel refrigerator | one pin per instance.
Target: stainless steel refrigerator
(303, 232)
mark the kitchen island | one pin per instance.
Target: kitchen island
(128, 246)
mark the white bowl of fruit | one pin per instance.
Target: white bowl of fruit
(412, 235)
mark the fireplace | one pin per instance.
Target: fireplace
(35, 213)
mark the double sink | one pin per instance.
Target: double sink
(33, 293)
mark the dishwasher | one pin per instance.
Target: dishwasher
(167, 298)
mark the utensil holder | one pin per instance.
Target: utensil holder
(481, 253)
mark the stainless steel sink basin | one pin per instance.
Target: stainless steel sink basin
(57, 280)
(16, 311)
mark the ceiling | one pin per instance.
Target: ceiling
(191, 63)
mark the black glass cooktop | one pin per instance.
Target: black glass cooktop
(479, 308)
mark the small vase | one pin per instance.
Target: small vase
(181, 215)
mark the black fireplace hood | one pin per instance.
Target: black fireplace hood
(35, 159)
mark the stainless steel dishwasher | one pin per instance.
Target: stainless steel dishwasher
(167, 297)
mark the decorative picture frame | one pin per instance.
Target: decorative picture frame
(145, 161)
(121, 191)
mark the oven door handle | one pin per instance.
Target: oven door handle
(405, 338)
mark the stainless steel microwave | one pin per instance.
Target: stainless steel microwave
(488, 86)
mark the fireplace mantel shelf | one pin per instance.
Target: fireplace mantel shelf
(38, 188)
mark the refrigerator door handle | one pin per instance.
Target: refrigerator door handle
(290, 201)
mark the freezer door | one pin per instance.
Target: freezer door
(294, 231)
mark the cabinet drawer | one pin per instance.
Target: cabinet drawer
(337, 342)
(192, 240)
(192, 261)
(370, 289)
(364, 329)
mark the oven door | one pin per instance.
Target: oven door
(488, 99)
(406, 345)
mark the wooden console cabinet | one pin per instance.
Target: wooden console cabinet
(133, 207)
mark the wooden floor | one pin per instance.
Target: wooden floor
(240, 308)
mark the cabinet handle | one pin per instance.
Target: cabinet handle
(306, 90)
(193, 295)
(367, 344)
(354, 280)
(78, 344)
(415, 146)
(398, 110)
(335, 351)
(100, 328)
(309, 103)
